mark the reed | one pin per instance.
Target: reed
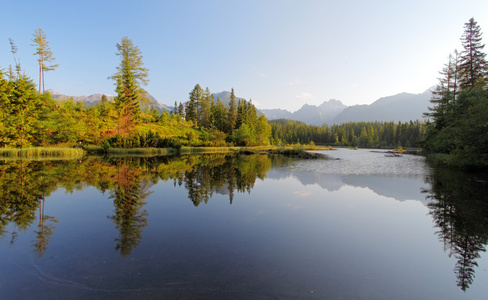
(131, 151)
(202, 150)
(142, 151)
(41, 152)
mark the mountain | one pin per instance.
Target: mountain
(402, 107)
(224, 97)
(309, 114)
(331, 109)
(90, 100)
(278, 113)
(285, 122)
(95, 98)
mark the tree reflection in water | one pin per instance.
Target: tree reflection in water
(459, 207)
(128, 195)
(25, 185)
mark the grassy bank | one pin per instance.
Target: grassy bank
(41, 152)
(69, 152)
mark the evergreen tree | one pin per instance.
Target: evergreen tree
(196, 96)
(6, 87)
(473, 66)
(219, 116)
(22, 113)
(263, 131)
(231, 114)
(44, 54)
(204, 112)
(459, 124)
(181, 110)
(130, 75)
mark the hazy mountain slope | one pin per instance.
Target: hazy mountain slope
(309, 114)
(285, 122)
(274, 114)
(225, 98)
(402, 107)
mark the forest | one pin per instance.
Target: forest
(457, 122)
(352, 134)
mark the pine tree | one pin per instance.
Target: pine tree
(445, 93)
(44, 54)
(219, 116)
(231, 114)
(6, 87)
(204, 111)
(25, 106)
(473, 66)
(181, 110)
(129, 77)
(196, 96)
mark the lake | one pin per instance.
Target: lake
(358, 225)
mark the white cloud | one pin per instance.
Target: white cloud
(304, 96)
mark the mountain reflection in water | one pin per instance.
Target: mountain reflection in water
(456, 201)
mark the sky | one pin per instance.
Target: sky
(278, 53)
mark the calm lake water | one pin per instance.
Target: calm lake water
(356, 226)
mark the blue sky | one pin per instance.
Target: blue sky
(280, 54)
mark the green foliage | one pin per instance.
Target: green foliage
(458, 124)
(42, 152)
(129, 77)
(20, 105)
(231, 114)
(105, 146)
(362, 134)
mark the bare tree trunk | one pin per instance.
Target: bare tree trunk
(42, 63)
(40, 77)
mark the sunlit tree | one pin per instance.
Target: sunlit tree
(44, 54)
(130, 75)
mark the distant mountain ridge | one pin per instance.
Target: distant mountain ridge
(95, 98)
(309, 114)
(403, 107)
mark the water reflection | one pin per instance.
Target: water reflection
(26, 184)
(457, 202)
(459, 207)
(128, 194)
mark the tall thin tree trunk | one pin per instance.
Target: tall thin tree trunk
(40, 77)
(42, 63)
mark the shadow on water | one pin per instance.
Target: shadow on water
(459, 208)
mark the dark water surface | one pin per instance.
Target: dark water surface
(363, 226)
